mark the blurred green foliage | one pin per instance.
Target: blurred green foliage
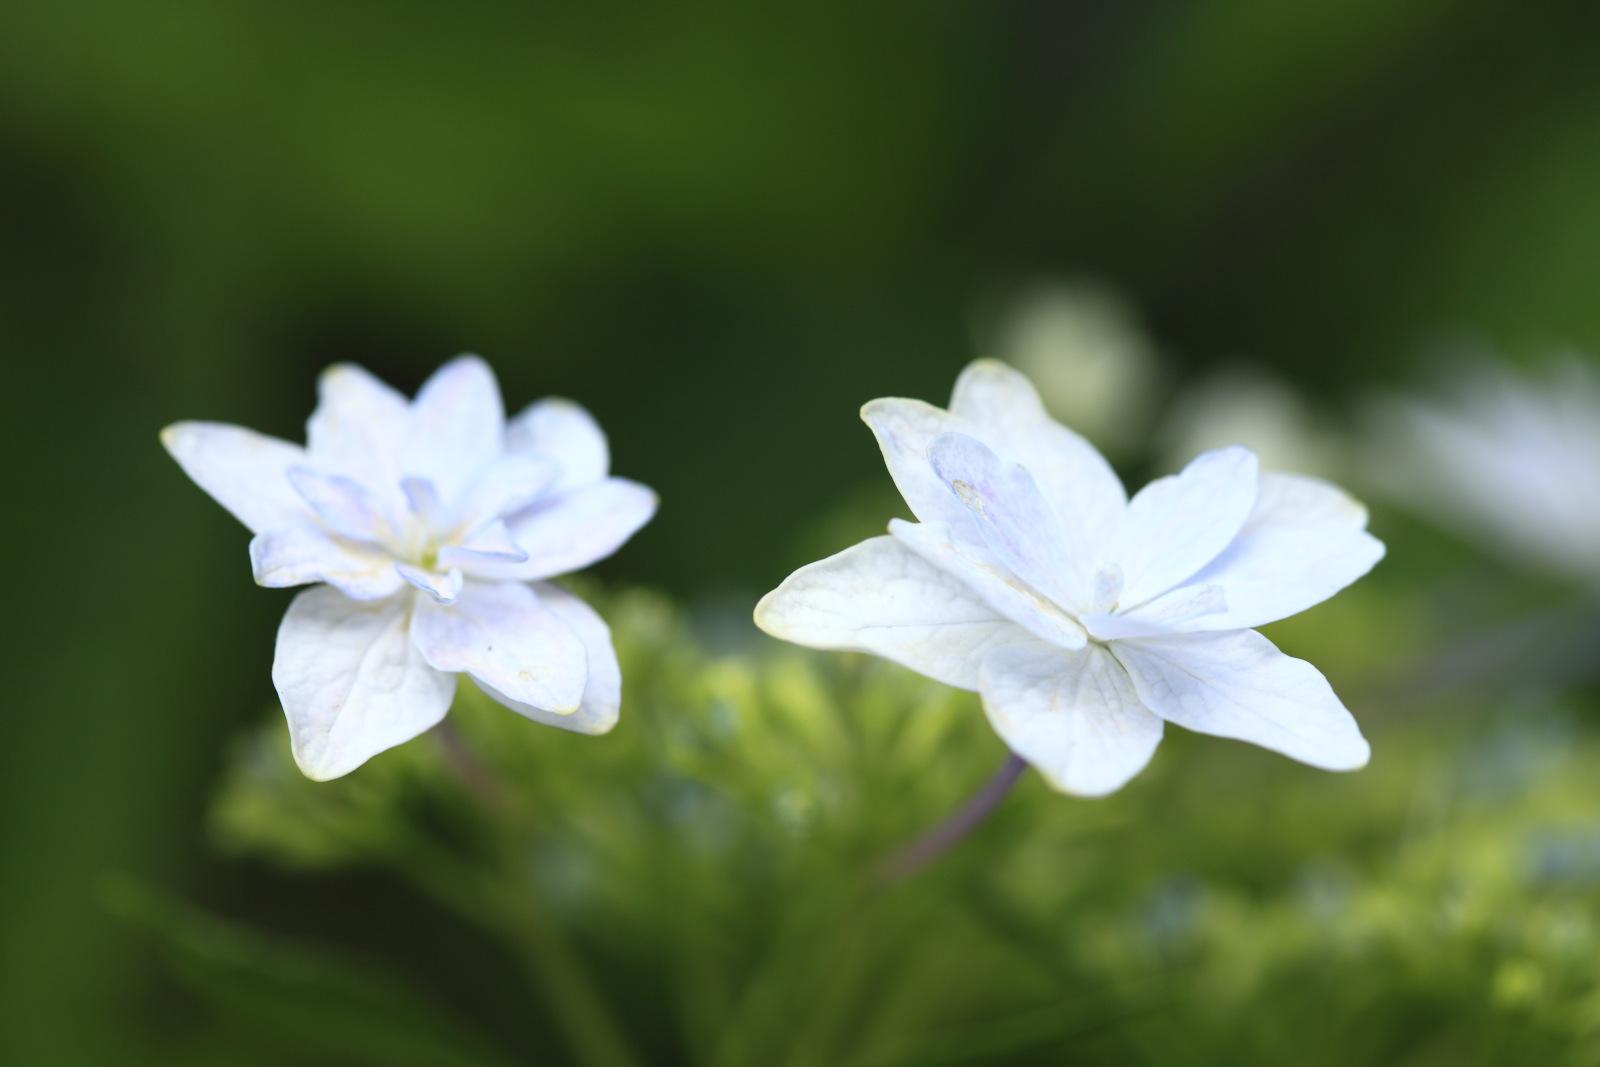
(715, 863)
(721, 227)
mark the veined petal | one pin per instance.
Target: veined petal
(244, 471)
(500, 634)
(905, 429)
(359, 429)
(1176, 525)
(342, 503)
(443, 588)
(1072, 714)
(569, 531)
(1176, 612)
(351, 681)
(1072, 474)
(1303, 542)
(565, 432)
(1237, 684)
(489, 546)
(457, 425)
(881, 597)
(979, 570)
(297, 555)
(602, 694)
(1013, 518)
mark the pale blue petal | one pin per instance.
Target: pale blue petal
(443, 588)
(298, 555)
(504, 637)
(1237, 684)
(602, 692)
(565, 432)
(244, 471)
(457, 426)
(881, 597)
(1073, 715)
(352, 682)
(571, 530)
(982, 572)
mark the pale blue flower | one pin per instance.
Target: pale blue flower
(434, 525)
(1085, 619)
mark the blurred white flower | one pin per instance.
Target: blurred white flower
(1083, 618)
(1512, 458)
(434, 524)
(1085, 350)
(1239, 405)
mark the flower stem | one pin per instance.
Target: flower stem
(933, 844)
(505, 907)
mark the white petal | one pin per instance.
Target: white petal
(490, 545)
(443, 588)
(342, 503)
(457, 425)
(1073, 475)
(1180, 611)
(880, 597)
(979, 570)
(1303, 543)
(1237, 684)
(1073, 715)
(564, 431)
(244, 471)
(571, 530)
(297, 555)
(504, 486)
(602, 695)
(351, 681)
(1178, 524)
(905, 429)
(501, 634)
(1013, 518)
(359, 429)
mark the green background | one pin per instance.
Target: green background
(721, 227)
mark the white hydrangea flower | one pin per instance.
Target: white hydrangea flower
(1508, 457)
(1084, 619)
(435, 526)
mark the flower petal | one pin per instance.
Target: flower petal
(457, 425)
(1014, 519)
(504, 486)
(443, 588)
(351, 681)
(561, 430)
(905, 429)
(880, 597)
(1176, 525)
(1179, 611)
(1072, 474)
(1073, 715)
(296, 555)
(602, 694)
(501, 634)
(359, 429)
(342, 503)
(571, 530)
(1303, 543)
(244, 471)
(490, 545)
(981, 571)
(1237, 684)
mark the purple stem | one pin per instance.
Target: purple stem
(936, 842)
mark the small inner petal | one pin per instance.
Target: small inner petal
(1107, 587)
(444, 588)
